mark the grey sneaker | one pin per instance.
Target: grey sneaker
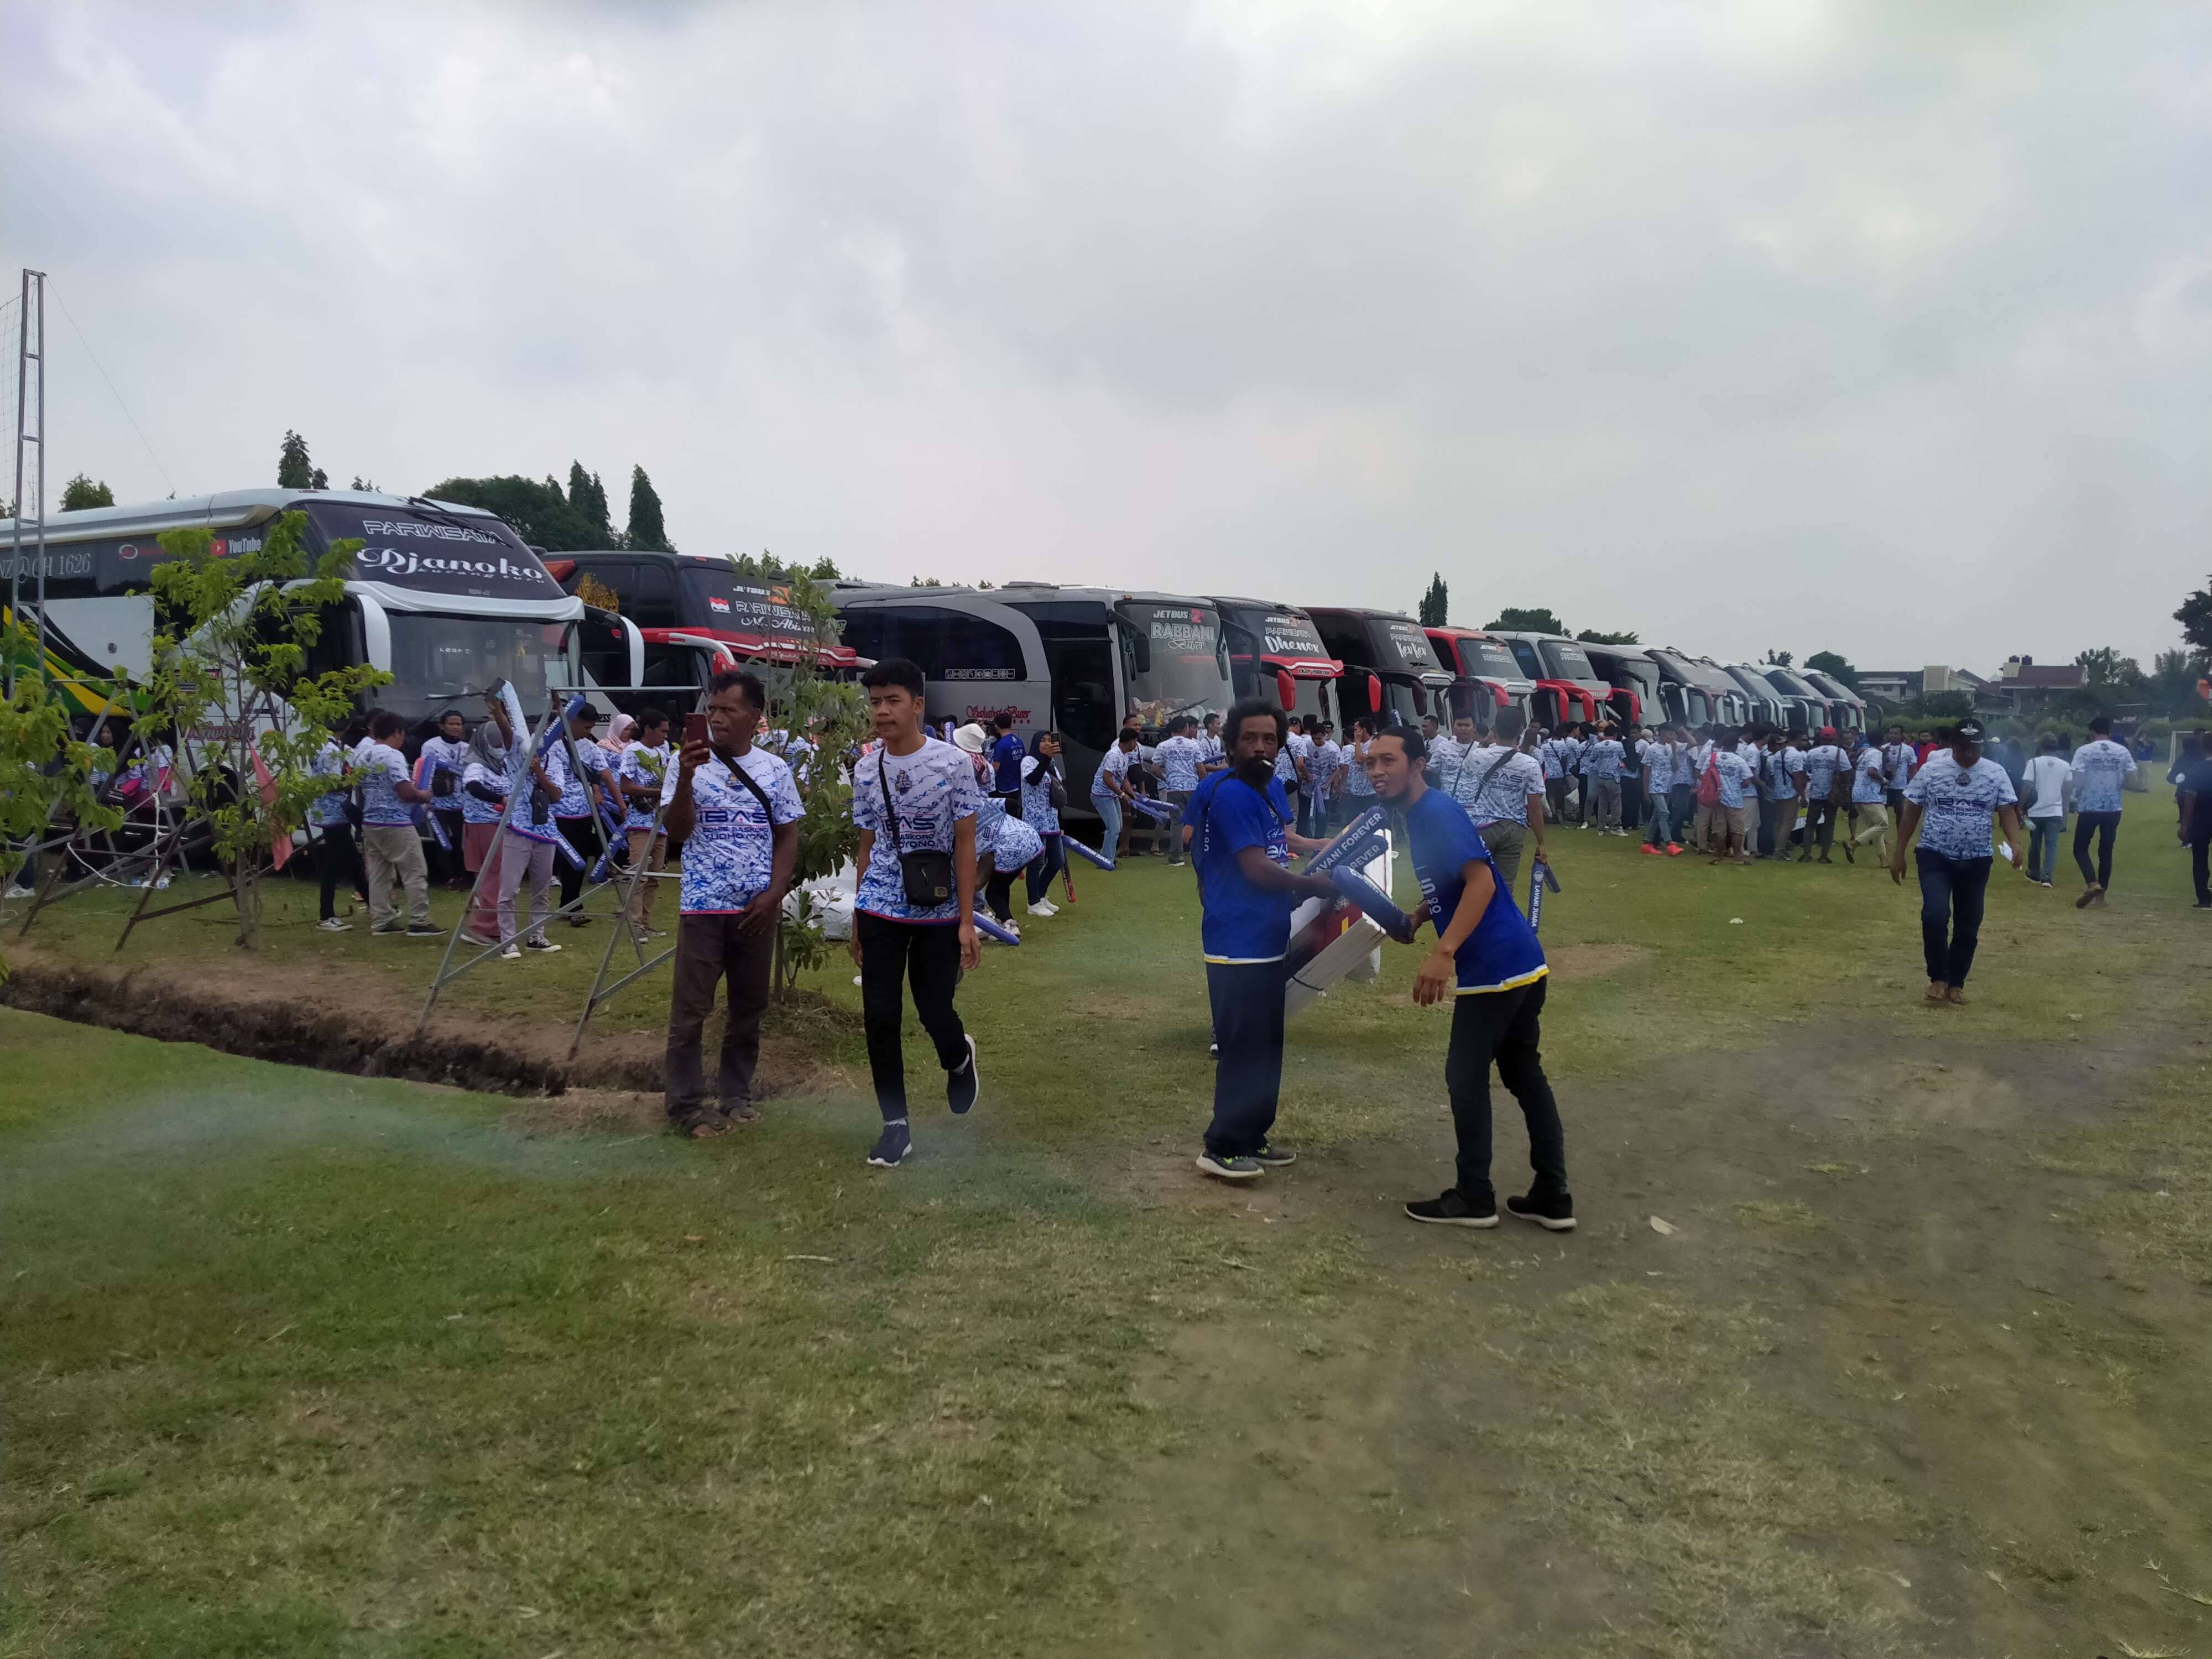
(1231, 1168)
(1273, 1156)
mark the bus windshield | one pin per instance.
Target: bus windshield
(715, 598)
(1490, 660)
(1190, 672)
(1566, 661)
(441, 661)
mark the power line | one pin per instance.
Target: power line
(117, 396)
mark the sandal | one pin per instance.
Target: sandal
(701, 1123)
(744, 1112)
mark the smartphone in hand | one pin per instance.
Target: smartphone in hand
(695, 728)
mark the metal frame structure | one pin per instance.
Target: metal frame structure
(30, 348)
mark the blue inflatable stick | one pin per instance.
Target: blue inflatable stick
(1348, 845)
(1157, 811)
(1349, 856)
(1083, 850)
(567, 850)
(438, 829)
(989, 925)
(1373, 902)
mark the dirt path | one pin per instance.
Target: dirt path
(1883, 1389)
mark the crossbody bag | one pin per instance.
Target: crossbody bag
(926, 872)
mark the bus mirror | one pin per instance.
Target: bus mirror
(1286, 687)
(1142, 652)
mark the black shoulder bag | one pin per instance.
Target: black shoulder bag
(925, 872)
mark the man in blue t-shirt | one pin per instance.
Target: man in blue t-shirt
(1242, 842)
(1488, 960)
(1007, 752)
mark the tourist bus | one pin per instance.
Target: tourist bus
(1389, 667)
(444, 597)
(1568, 688)
(694, 617)
(1694, 692)
(1079, 661)
(1482, 665)
(1275, 652)
(1632, 675)
(1847, 710)
(1768, 705)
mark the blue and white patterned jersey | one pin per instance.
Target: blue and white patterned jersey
(1731, 771)
(1329, 762)
(382, 769)
(324, 810)
(575, 801)
(1355, 782)
(1822, 761)
(475, 810)
(1038, 809)
(1776, 782)
(645, 768)
(729, 857)
(598, 766)
(1212, 745)
(1551, 755)
(1867, 779)
(932, 790)
(1445, 754)
(1179, 758)
(525, 820)
(2100, 769)
(452, 758)
(1658, 760)
(1900, 758)
(1286, 769)
(1793, 761)
(1112, 765)
(1601, 759)
(1503, 796)
(1957, 805)
(1302, 749)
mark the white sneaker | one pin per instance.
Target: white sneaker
(33, 892)
(544, 945)
(1044, 907)
(333, 925)
(512, 953)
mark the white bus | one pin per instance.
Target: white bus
(444, 597)
(1077, 660)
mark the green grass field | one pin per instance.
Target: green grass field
(298, 1363)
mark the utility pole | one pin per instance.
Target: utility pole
(30, 428)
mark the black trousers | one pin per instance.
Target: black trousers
(708, 950)
(340, 858)
(1951, 892)
(998, 894)
(1501, 1027)
(583, 835)
(1247, 1076)
(1045, 866)
(450, 869)
(2200, 847)
(1819, 820)
(928, 953)
(1631, 803)
(2105, 826)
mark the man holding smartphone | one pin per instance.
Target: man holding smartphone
(736, 809)
(914, 800)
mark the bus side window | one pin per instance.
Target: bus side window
(972, 642)
(1083, 703)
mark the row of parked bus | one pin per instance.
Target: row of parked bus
(446, 599)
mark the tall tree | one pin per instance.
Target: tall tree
(295, 470)
(1527, 619)
(2195, 617)
(540, 513)
(1436, 604)
(1830, 663)
(81, 492)
(1778, 658)
(588, 497)
(646, 529)
(1594, 637)
(2103, 666)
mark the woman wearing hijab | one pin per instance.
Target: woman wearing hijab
(618, 734)
(484, 797)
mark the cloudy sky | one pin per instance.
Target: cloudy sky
(1876, 328)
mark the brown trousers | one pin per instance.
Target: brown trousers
(709, 948)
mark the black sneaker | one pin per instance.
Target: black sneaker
(424, 930)
(1275, 1157)
(1451, 1208)
(891, 1146)
(1554, 1212)
(1222, 1167)
(962, 1087)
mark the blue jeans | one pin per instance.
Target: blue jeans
(1108, 808)
(1951, 896)
(1662, 825)
(2043, 837)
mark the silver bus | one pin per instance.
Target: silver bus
(1081, 661)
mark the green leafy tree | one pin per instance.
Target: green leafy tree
(2108, 671)
(49, 773)
(360, 482)
(835, 717)
(230, 677)
(1527, 619)
(923, 581)
(295, 470)
(1593, 636)
(81, 492)
(587, 497)
(825, 569)
(2195, 617)
(646, 529)
(1829, 663)
(539, 512)
(1778, 658)
(1436, 604)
